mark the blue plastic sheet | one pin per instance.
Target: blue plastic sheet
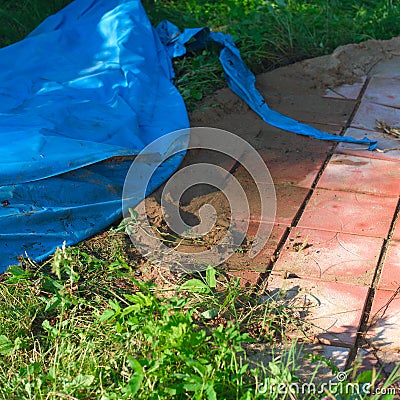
(79, 97)
(91, 83)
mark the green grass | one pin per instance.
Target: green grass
(84, 327)
(19, 17)
(78, 327)
(269, 33)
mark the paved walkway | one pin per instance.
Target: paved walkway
(337, 234)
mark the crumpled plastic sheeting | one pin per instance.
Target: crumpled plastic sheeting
(93, 83)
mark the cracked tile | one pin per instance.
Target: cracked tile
(384, 321)
(349, 212)
(331, 310)
(330, 256)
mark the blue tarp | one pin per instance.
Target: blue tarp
(93, 83)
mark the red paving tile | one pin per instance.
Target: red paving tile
(267, 253)
(383, 362)
(368, 113)
(384, 91)
(263, 257)
(274, 239)
(348, 212)
(289, 200)
(197, 156)
(231, 198)
(248, 269)
(332, 309)
(390, 275)
(284, 142)
(360, 174)
(294, 167)
(246, 278)
(396, 232)
(330, 256)
(298, 169)
(312, 108)
(388, 68)
(385, 142)
(346, 91)
(384, 322)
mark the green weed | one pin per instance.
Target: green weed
(81, 325)
(269, 33)
(78, 327)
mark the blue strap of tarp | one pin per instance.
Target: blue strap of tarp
(242, 81)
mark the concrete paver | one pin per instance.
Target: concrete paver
(385, 142)
(339, 236)
(349, 212)
(289, 200)
(360, 174)
(332, 310)
(330, 256)
(270, 138)
(396, 232)
(385, 91)
(384, 321)
(390, 274)
(383, 362)
(323, 111)
(368, 113)
(346, 91)
(296, 168)
(249, 270)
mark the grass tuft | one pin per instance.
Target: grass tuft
(81, 328)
